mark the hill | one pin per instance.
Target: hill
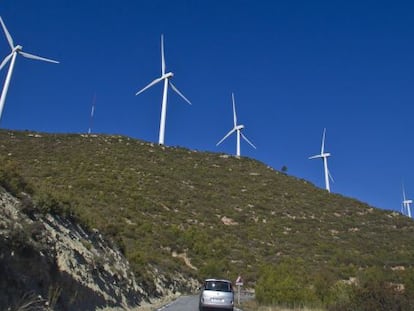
(201, 214)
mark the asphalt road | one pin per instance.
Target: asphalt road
(184, 303)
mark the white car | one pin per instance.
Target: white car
(216, 294)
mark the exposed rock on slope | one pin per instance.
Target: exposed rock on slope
(51, 261)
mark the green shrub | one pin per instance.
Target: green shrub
(48, 204)
(285, 284)
(11, 179)
(341, 295)
(374, 291)
(214, 268)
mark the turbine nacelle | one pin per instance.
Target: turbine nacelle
(17, 48)
(167, 75)
(322, 155)
(239, 127)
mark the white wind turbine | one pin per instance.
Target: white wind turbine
(238, 129)
(406, 204)
(166, 77)
(324, 156)
(15, 49)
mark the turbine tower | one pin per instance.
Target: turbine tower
(406, 204)
(238, 129)
(15, 49)
(165, 76)
(324, 156)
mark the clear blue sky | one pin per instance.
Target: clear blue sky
(295, 67)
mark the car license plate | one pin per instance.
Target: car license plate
(217, 300)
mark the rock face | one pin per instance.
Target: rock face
(49, 262)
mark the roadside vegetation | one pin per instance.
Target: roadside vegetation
(254, 306)
(207, 214)
(290, 285)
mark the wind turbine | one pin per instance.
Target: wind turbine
(238, 129)
(15, 49)
(406, 204)
(166, 76)
(92, 114)
(324, 156)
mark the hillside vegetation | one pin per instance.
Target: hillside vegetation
(203, 214)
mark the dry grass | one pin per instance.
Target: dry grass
(145, 307)
(30, 302)
(284, 309)
(253, 306)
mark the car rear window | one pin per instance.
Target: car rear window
(218, 286)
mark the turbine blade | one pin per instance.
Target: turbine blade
(227, 135)
(323, 141)
(330, 176)
(31, 56)
(162, 55)
(403, 192)
(5, 60)
(246, 139)
(149, 85)
(8, 36)
(234, 110)
(315, 157)
(178, 92)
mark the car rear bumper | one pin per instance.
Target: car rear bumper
(215, 307)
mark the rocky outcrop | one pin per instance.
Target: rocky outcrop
(49, 262)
